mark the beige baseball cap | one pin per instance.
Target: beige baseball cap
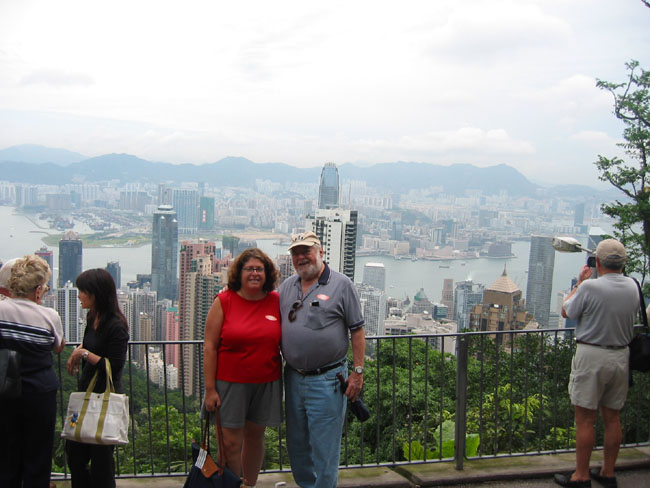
(305, 239)
(611, 251)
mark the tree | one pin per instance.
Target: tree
(631, 177)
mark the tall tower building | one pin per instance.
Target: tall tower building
(70, 258)
(67, 305)
(337, 231)
(447, 298)
(48, 256)
(540, 278)
(373, 305)
(114, 269)
(328, 191)
(201, 284)
(206, 213)
(186, 203)
(465, 297)
(374, 274)
(164, 253)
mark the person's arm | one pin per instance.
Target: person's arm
(585, 274)
(355, 380)
(213, 324)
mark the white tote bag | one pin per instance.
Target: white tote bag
(98, 418)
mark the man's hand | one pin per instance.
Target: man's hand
(585, 273)
(355, 384)
(212, 400)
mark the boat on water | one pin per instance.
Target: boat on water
(443, 265)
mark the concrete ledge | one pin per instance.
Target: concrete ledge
(513, 468)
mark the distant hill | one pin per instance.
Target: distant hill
(33, 154)
(398, 177)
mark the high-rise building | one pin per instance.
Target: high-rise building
(186, 204)
(67, 305)
(114, 269)
(328, 191)
(502, 308)
(70, 258)
(540, 278)
(172, 333)
(373, 306)
(206, 213)
(164, 253)
(337, 231)
(48, 256)
(374, 274)
(144, 304)
(201, 285)
(465, 297)
(447, 298)
(578, 214)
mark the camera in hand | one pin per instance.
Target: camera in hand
(358, 408)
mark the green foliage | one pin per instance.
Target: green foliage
(632, 213)
(416, 452)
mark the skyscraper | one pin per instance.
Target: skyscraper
(447, 298)
(328, 191)
(373, 305)
(206, 213)
(70, 258)
(113, 268)
(540, 278)
(48, 256)
(67, 305)
(465, 297)
(186, 204)
(337, 231)
(374, 274)
(164, 253)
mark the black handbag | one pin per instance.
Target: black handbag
(640, 345)
(205, 473)
(10, 384)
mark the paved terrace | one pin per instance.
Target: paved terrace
(633, 471)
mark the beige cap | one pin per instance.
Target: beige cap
(611, 251)
(305, 239)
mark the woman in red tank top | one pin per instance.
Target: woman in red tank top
(242, 363)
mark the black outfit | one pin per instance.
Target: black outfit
(110, 340)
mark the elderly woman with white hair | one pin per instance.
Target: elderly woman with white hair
(27, 422)
(5, 274)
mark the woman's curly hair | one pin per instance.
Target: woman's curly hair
(271, 274)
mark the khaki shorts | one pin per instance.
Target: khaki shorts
(260, 403)
(599, 377)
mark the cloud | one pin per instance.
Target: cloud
(56, 78)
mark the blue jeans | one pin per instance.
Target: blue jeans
(315, 411)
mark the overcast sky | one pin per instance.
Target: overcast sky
(436, 81)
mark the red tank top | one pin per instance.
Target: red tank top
(249, 346)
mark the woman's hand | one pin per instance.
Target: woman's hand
(212, 400)
(74, 359)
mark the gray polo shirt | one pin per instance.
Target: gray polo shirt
(606, 309)
(319, 335)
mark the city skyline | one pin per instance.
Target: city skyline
(437, 82)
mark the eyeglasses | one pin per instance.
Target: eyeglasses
(44, 287)
(294, 308)
(254, 269)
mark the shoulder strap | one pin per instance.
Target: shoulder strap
(642, 312)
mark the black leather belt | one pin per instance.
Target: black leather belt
(314, 372)
(599, 345)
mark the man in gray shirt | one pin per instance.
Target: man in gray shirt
(321, 313)
(605, 309)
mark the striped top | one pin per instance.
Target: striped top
(32, 330)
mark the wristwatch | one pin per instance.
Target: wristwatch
(85, 355)
(358, 369)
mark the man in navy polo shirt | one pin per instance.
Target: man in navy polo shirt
(321, 314)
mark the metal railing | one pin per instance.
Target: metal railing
(433, 398)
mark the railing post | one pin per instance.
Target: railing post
(461, 400)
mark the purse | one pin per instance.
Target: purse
(98, 418)
(205, 473)
(640, 345)
(10, 384)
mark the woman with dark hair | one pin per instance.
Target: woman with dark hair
(242, 361)
(106, 337)
(27, 422)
